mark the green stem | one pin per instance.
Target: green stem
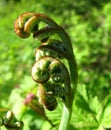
(66, 115)
(67, 108)
(73, 73)
(67, 111)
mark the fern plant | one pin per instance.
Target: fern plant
(55, 79)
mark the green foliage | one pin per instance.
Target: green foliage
(88, 23)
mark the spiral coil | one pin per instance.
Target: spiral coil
(9, 120)
(48, 70)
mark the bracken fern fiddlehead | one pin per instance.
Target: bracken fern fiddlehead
(54, 78)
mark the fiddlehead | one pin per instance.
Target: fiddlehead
(51, 74)
(54, 78)
(46, 98)
(9, 120)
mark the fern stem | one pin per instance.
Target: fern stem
(66, 115)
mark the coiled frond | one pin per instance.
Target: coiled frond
(55, 79)
(9, 120)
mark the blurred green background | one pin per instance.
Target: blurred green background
(88, 23)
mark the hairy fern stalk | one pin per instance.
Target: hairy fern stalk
(55, 79)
